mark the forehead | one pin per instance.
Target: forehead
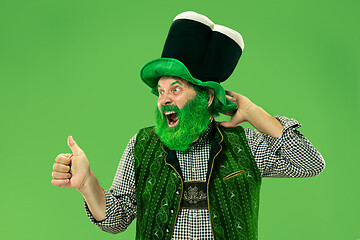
(168, 81)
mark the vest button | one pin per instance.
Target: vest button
(172, 211)
(177, 192)
(167, 230)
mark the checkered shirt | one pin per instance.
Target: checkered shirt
(290, 156)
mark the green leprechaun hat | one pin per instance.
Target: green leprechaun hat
(200, 52)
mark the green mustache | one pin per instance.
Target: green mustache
(170, 108)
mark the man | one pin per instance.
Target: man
(190, 177)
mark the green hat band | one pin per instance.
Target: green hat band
(153, 70)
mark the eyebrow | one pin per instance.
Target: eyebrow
(176, 82)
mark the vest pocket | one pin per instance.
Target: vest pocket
(233, 174)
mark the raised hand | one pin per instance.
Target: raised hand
(240, 114)
(71, 170)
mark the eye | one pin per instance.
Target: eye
(176, 90)
(161, 92)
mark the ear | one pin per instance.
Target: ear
(211, 97)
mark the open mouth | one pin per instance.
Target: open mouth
(172, 118)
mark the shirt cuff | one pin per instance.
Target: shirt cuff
(110, 206)
(289, 127)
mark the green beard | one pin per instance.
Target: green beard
(193, 119)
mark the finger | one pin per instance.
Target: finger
(58, 167)
(73, 146)
(230, 123)
(228, 114)
(233, 94)
(231, 99)
(226, 124)
(60, 175)
(63, 158)
(60, 182)
(230, 93)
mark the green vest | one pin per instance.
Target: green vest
(233, 186)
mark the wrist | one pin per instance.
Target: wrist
(87, 184)
(251, 110)
(264, 122)
(95, 197)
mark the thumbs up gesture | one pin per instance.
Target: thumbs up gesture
(71, 170)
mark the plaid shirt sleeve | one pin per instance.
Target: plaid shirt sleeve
(121, 197)
(290, 156)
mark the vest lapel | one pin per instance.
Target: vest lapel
(173, 161)
(215, 148)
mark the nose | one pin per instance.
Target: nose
(165, 99)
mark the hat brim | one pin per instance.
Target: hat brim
(153, 70)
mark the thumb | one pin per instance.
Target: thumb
(73, 146)
(230, 123)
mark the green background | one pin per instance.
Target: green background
(72, 68)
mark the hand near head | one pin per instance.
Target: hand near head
(71, 170)
(240, 114)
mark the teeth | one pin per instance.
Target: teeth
(168, 113)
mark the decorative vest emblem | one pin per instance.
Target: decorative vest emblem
(193, 195)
